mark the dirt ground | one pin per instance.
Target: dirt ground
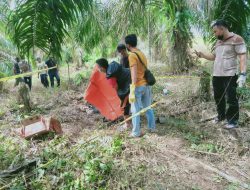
(172, 158)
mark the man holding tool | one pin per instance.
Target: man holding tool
(53, 73)
(43, 74)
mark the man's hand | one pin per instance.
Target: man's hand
(242, 80)
(199, 54)
(207, 56)
(132, 93)
(57, 68)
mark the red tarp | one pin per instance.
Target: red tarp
(101, 95)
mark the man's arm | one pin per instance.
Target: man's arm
(57, 68)
(133, 70)
(46, 67)
(243, 63)
(243, 66)
(112, 82)
(208, 56)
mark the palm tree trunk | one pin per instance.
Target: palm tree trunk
(149, 36)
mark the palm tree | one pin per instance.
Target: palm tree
(92, 24)
(180, 37)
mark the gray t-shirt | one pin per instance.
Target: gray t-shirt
(226, 53)
(41, 66)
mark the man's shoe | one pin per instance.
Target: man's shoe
(218, 120)
(230, 126)
(123, 127)
(133, 136)
(152, 130)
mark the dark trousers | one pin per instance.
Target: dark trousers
(125, 105)
(28, 81)
(18, 80)
(225, 89)
(44, 80)
(51, 77)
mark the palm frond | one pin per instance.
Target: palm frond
(236, 13)
(108, 23)
(44, 24)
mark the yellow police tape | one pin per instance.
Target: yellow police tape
(142, 111)
(175, 77)
(24, 74)
(31, 73)
(115, 126)
(138, 113)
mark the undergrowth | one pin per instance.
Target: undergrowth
(79, 78)
(87, 165)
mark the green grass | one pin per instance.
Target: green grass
(11, 151)
(207, 147)
(233, 186)
(247, 105)
(83, 166)
(79, 78)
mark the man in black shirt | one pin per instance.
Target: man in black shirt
(119, 78)
(16, 70)
(121, 48)
(53, 72)
(25, 67)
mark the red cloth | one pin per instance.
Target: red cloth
(100, 94)
(112, 82)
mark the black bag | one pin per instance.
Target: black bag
(147, 75)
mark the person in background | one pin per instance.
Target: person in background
(25, 67)
(43, 74)
(119, 78)
(140, 93)
(121, 48)
(53, 73)
(228, 49)
(16, 70)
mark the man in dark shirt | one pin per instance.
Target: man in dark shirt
(119, 78)
(16, 70)
(53, 72)
(25, 67)
(121, 48)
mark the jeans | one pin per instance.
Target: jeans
(28, 81)
(143, 99)
(51, 77)
(44, 80)
(225, 89)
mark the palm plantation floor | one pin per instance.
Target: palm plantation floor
(184, 154)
